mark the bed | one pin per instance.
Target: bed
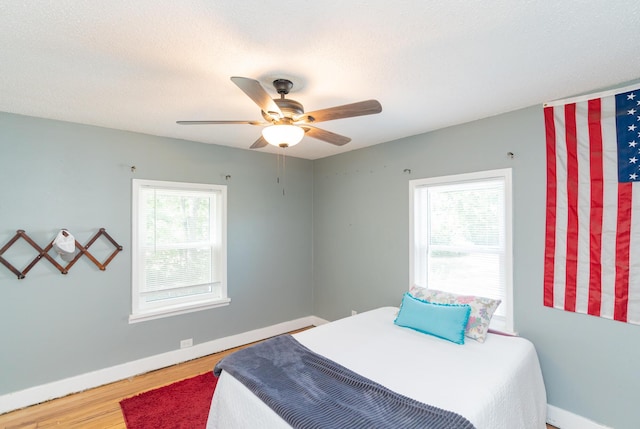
(494, 385)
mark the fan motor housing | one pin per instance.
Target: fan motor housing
(290, 108)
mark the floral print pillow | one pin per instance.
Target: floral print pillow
(482, 308)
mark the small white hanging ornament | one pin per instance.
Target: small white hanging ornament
(65, 245)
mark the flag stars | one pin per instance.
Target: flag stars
(632, 127)
(633, 176)
(631, 112)
(633, 160)
(631, 96)
(633, 144)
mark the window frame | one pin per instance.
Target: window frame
(181, 305)
(500, 324)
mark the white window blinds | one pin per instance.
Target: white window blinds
(180, 242)
(464, 243)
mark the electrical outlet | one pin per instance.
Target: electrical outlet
(186, 343)
(353, 312)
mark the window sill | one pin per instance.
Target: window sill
(498, 326)
(176, 311)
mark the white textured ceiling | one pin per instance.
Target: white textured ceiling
(141, 65)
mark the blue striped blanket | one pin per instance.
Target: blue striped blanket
(310, 391)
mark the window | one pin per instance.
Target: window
(178, 248)
(461, 237)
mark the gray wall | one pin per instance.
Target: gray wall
(55, 174)
(60, 175)
(361, 253)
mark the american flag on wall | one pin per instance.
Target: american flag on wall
(592, 245)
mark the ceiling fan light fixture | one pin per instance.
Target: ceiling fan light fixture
(283, 135)
(282, 113)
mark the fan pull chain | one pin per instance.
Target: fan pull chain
(284, 169)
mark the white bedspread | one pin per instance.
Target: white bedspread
(495, 385)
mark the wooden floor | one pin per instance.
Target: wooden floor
(99, 408)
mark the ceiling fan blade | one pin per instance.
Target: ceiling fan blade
(257, 93)
(220, 122)
(326, 136)
(368, 107)
(261, 142)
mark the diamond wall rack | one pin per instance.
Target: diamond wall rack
(44, 253)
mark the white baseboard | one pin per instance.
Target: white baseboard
(564, 419)
(57, 389)
(316, 321)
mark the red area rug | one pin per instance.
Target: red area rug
(181, 405)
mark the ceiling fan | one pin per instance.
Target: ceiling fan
(285, 119)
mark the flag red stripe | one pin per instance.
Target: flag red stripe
(595, 212)
(623, 241)
(550, 239)
(572, 205)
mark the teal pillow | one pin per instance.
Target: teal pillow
(447, 321)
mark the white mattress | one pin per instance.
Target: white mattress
(495, 385)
